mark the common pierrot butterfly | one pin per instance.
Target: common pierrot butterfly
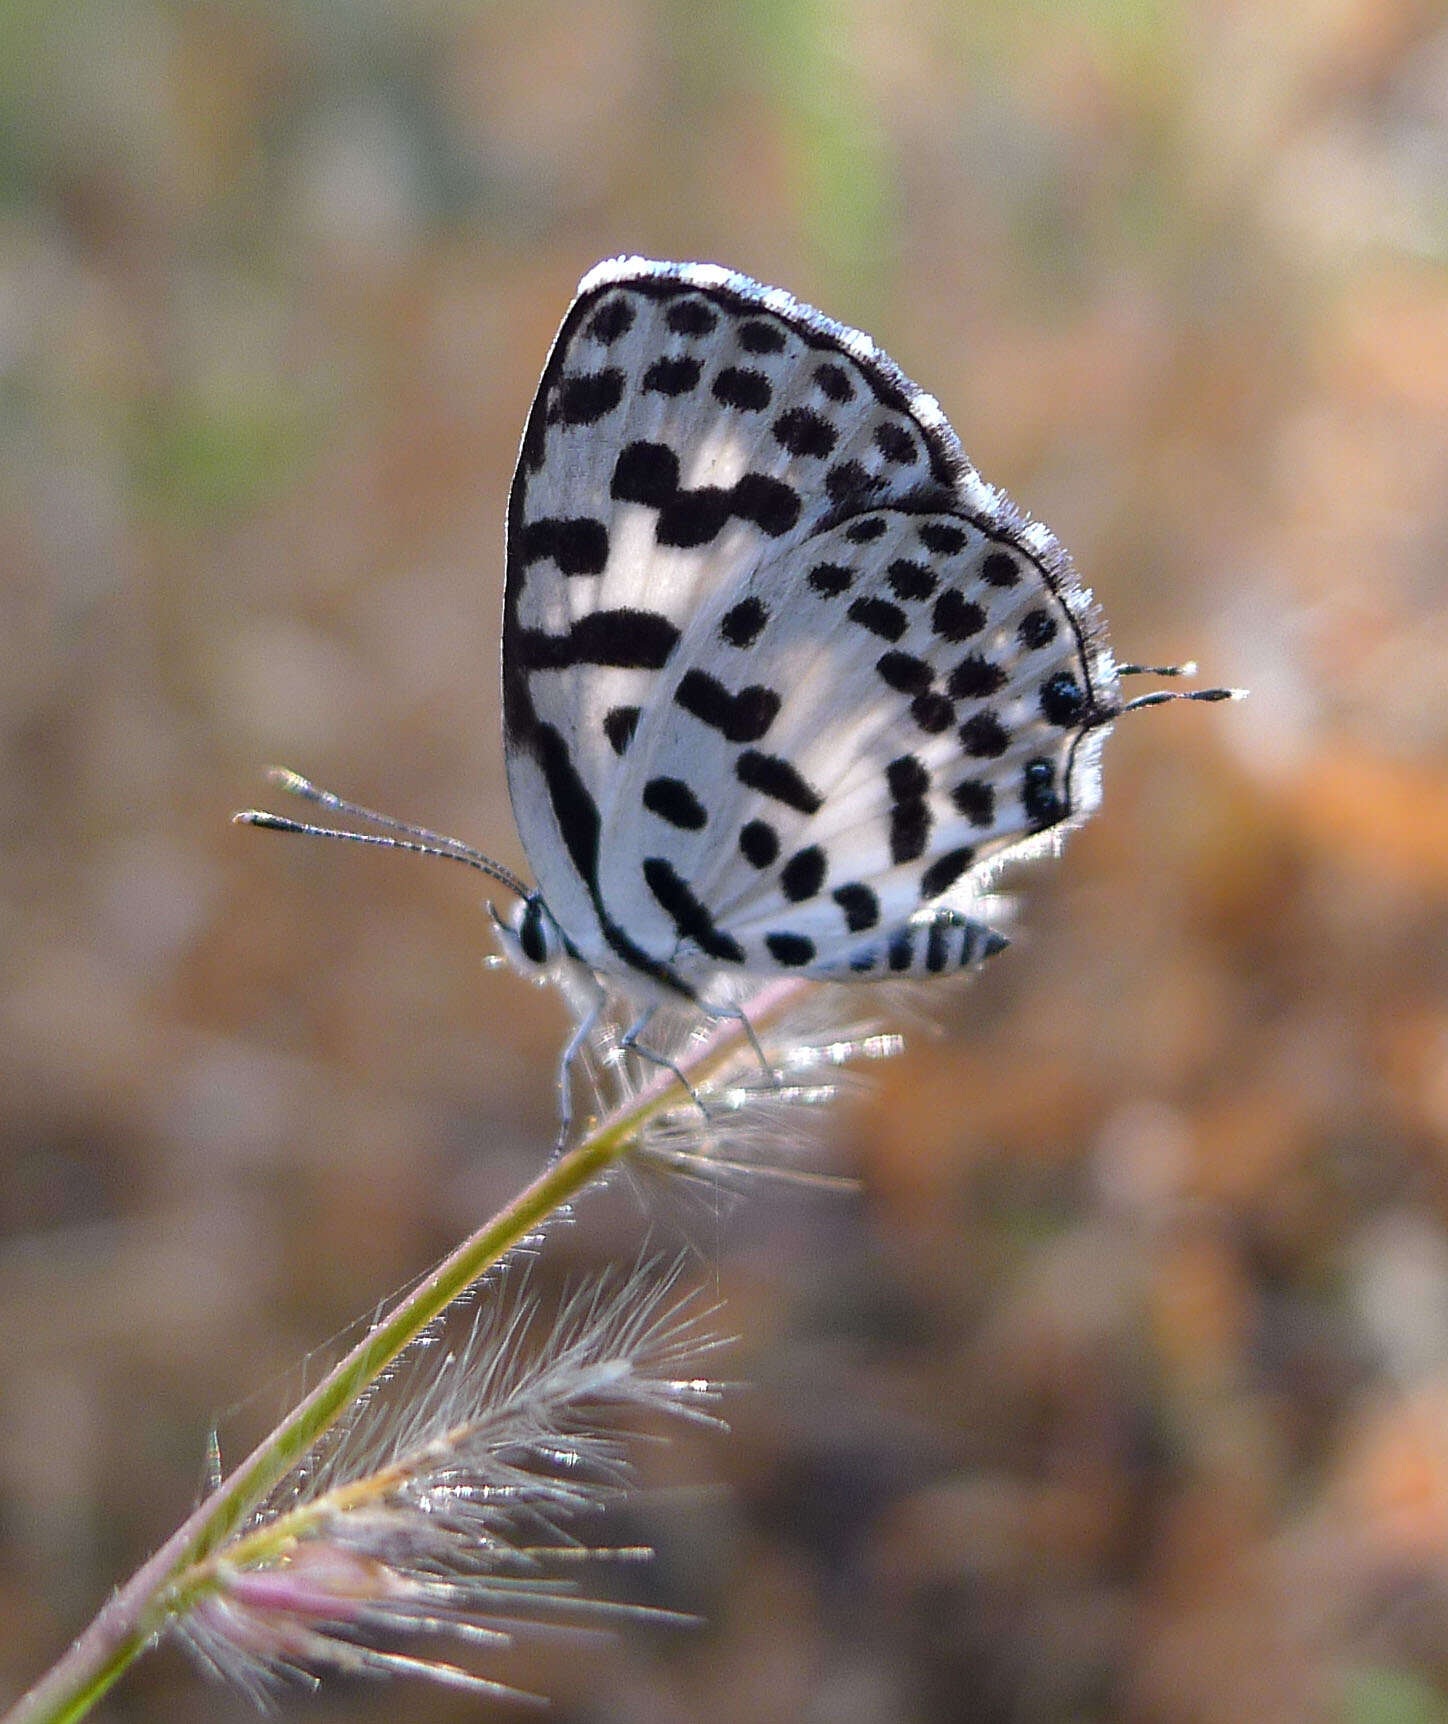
(784, 680)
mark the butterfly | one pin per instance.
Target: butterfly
(784, 679)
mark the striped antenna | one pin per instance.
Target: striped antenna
(420, 840)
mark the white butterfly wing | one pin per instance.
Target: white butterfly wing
(779, 669)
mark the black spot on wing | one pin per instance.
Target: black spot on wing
(741, 624)
(860, 905)
(772, 505)
(619, 725)
(941, 537)
(975, 800)
(896, 444)
(1062, 701)
(909, 831)
(910, 580)
(907, 778)
(615, 317)
(794, 951)
(880, 617)
(955, 617)
(692, 518)
(1036, 629)
(984, 737)
(1039, 796)
(908, 782)
(690, 918)
(932, 712)
(578, 544)
(975, 678)
(829, 580)
(803, 875)
(645, 473)
(862, 532)
(802, 431)
(944, 871)
(776, 778)
(904, 673)
(692, 317)
(759, 336)
(742, 717)
(834, 382)
(759, 843)
(585, 397)
(672, 800)
(850, 484)
(1000, 569)
(648, 473)
(676, 375)
(739, 387)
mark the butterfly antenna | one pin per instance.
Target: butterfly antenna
(420, 840)
(1161, 696)
(1189, 668)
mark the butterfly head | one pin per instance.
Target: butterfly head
(532, 941)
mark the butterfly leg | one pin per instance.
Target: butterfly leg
(631, 1043)
(590, 1010)
(737, 1014)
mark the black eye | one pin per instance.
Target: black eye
(530, 932)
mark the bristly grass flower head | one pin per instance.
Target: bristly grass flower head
(449, 1497)
(421, 1489)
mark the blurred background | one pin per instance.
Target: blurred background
(1120, 1391)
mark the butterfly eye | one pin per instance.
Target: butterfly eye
(532, 930)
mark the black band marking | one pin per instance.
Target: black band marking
(576, 815)
(622, 640)
(690, 917)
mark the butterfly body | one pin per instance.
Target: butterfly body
(784, 680)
